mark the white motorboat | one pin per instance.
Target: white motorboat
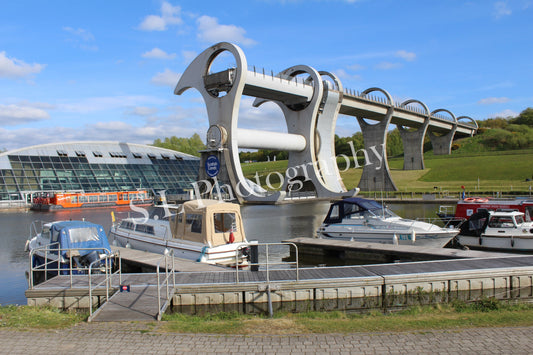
(499, 230)
(363, 220)
(65, 247)
(209, 231)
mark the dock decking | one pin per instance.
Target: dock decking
(323, 288)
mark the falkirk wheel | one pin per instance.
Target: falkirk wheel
(310, 108)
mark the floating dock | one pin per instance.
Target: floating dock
(347, 250)
(347, 288)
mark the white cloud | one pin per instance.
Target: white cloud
(16, 68)
(343, 74)
(11, 115)
(356, 67)
(493, 100)
(170, 15)
(166, 78)
(95, 104)
(209, 30)
(143, 111)
(81, 38)
(501, 9)
(387, 65)
(157, 53)
(408, 56)
(80, 32)
(504, 114)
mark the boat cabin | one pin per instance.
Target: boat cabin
(210, 222)
(499, 223)
(356, 207)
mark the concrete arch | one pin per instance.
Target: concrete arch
(470, 119)
(315, 121)
(384, 92)
(442, 145)
(222, 111)
(444, 110)
(413, 141)
(376, 178)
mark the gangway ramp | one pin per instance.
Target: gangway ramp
(140, 303)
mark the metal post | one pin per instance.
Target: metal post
(270, 310)
(254, 257)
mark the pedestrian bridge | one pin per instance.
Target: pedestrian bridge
(311, 101)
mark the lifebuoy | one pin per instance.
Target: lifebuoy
(469, 199)
(481, 200)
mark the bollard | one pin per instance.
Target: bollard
(254, 257)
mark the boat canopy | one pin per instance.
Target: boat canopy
(83, 236)
(341, 209)
(208, 222)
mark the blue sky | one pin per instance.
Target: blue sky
(106, 70)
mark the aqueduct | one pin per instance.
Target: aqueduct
(310, 108)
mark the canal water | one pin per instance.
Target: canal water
(264, 223)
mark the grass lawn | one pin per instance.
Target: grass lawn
(478, 172)
(457, 315)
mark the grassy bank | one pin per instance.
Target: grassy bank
(484, 313)
(484, 172)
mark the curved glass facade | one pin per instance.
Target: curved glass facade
(94, 167)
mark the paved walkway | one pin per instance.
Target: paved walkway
(133, 338)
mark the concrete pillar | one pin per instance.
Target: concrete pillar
(376, 173)
(413, 141)
(442, 145)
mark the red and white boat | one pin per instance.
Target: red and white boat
(470, 205)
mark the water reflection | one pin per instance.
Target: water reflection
(264, 223)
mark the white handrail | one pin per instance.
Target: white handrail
(107, 278)
(268, 264)
(165, 282)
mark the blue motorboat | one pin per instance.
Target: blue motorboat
(65, 247)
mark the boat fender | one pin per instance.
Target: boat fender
(512, 242)
(395, 239)
(480, 240)
(231, 237)
(202, 254)
(413, 236)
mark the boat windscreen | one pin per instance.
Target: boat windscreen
(81, 235)
(224, 222)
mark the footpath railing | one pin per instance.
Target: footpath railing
(57, 261)
(255, 264)
(170, 276)
(108, 276)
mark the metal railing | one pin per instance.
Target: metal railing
(55, 263)
(170, 271)
(268, 263)
(107, 279)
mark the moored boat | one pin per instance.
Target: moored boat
(48, 201)
(465, 208)
(497, 230)
(65, 247)
(365, 220)
(208, 231)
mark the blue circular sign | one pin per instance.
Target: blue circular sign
(212, 166)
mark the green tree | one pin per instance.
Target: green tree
(185, 145)
(525, 117)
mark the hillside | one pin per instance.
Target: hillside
(502, 171)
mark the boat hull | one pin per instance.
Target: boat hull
(431, 240)
(502, 243)
(223, 255)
